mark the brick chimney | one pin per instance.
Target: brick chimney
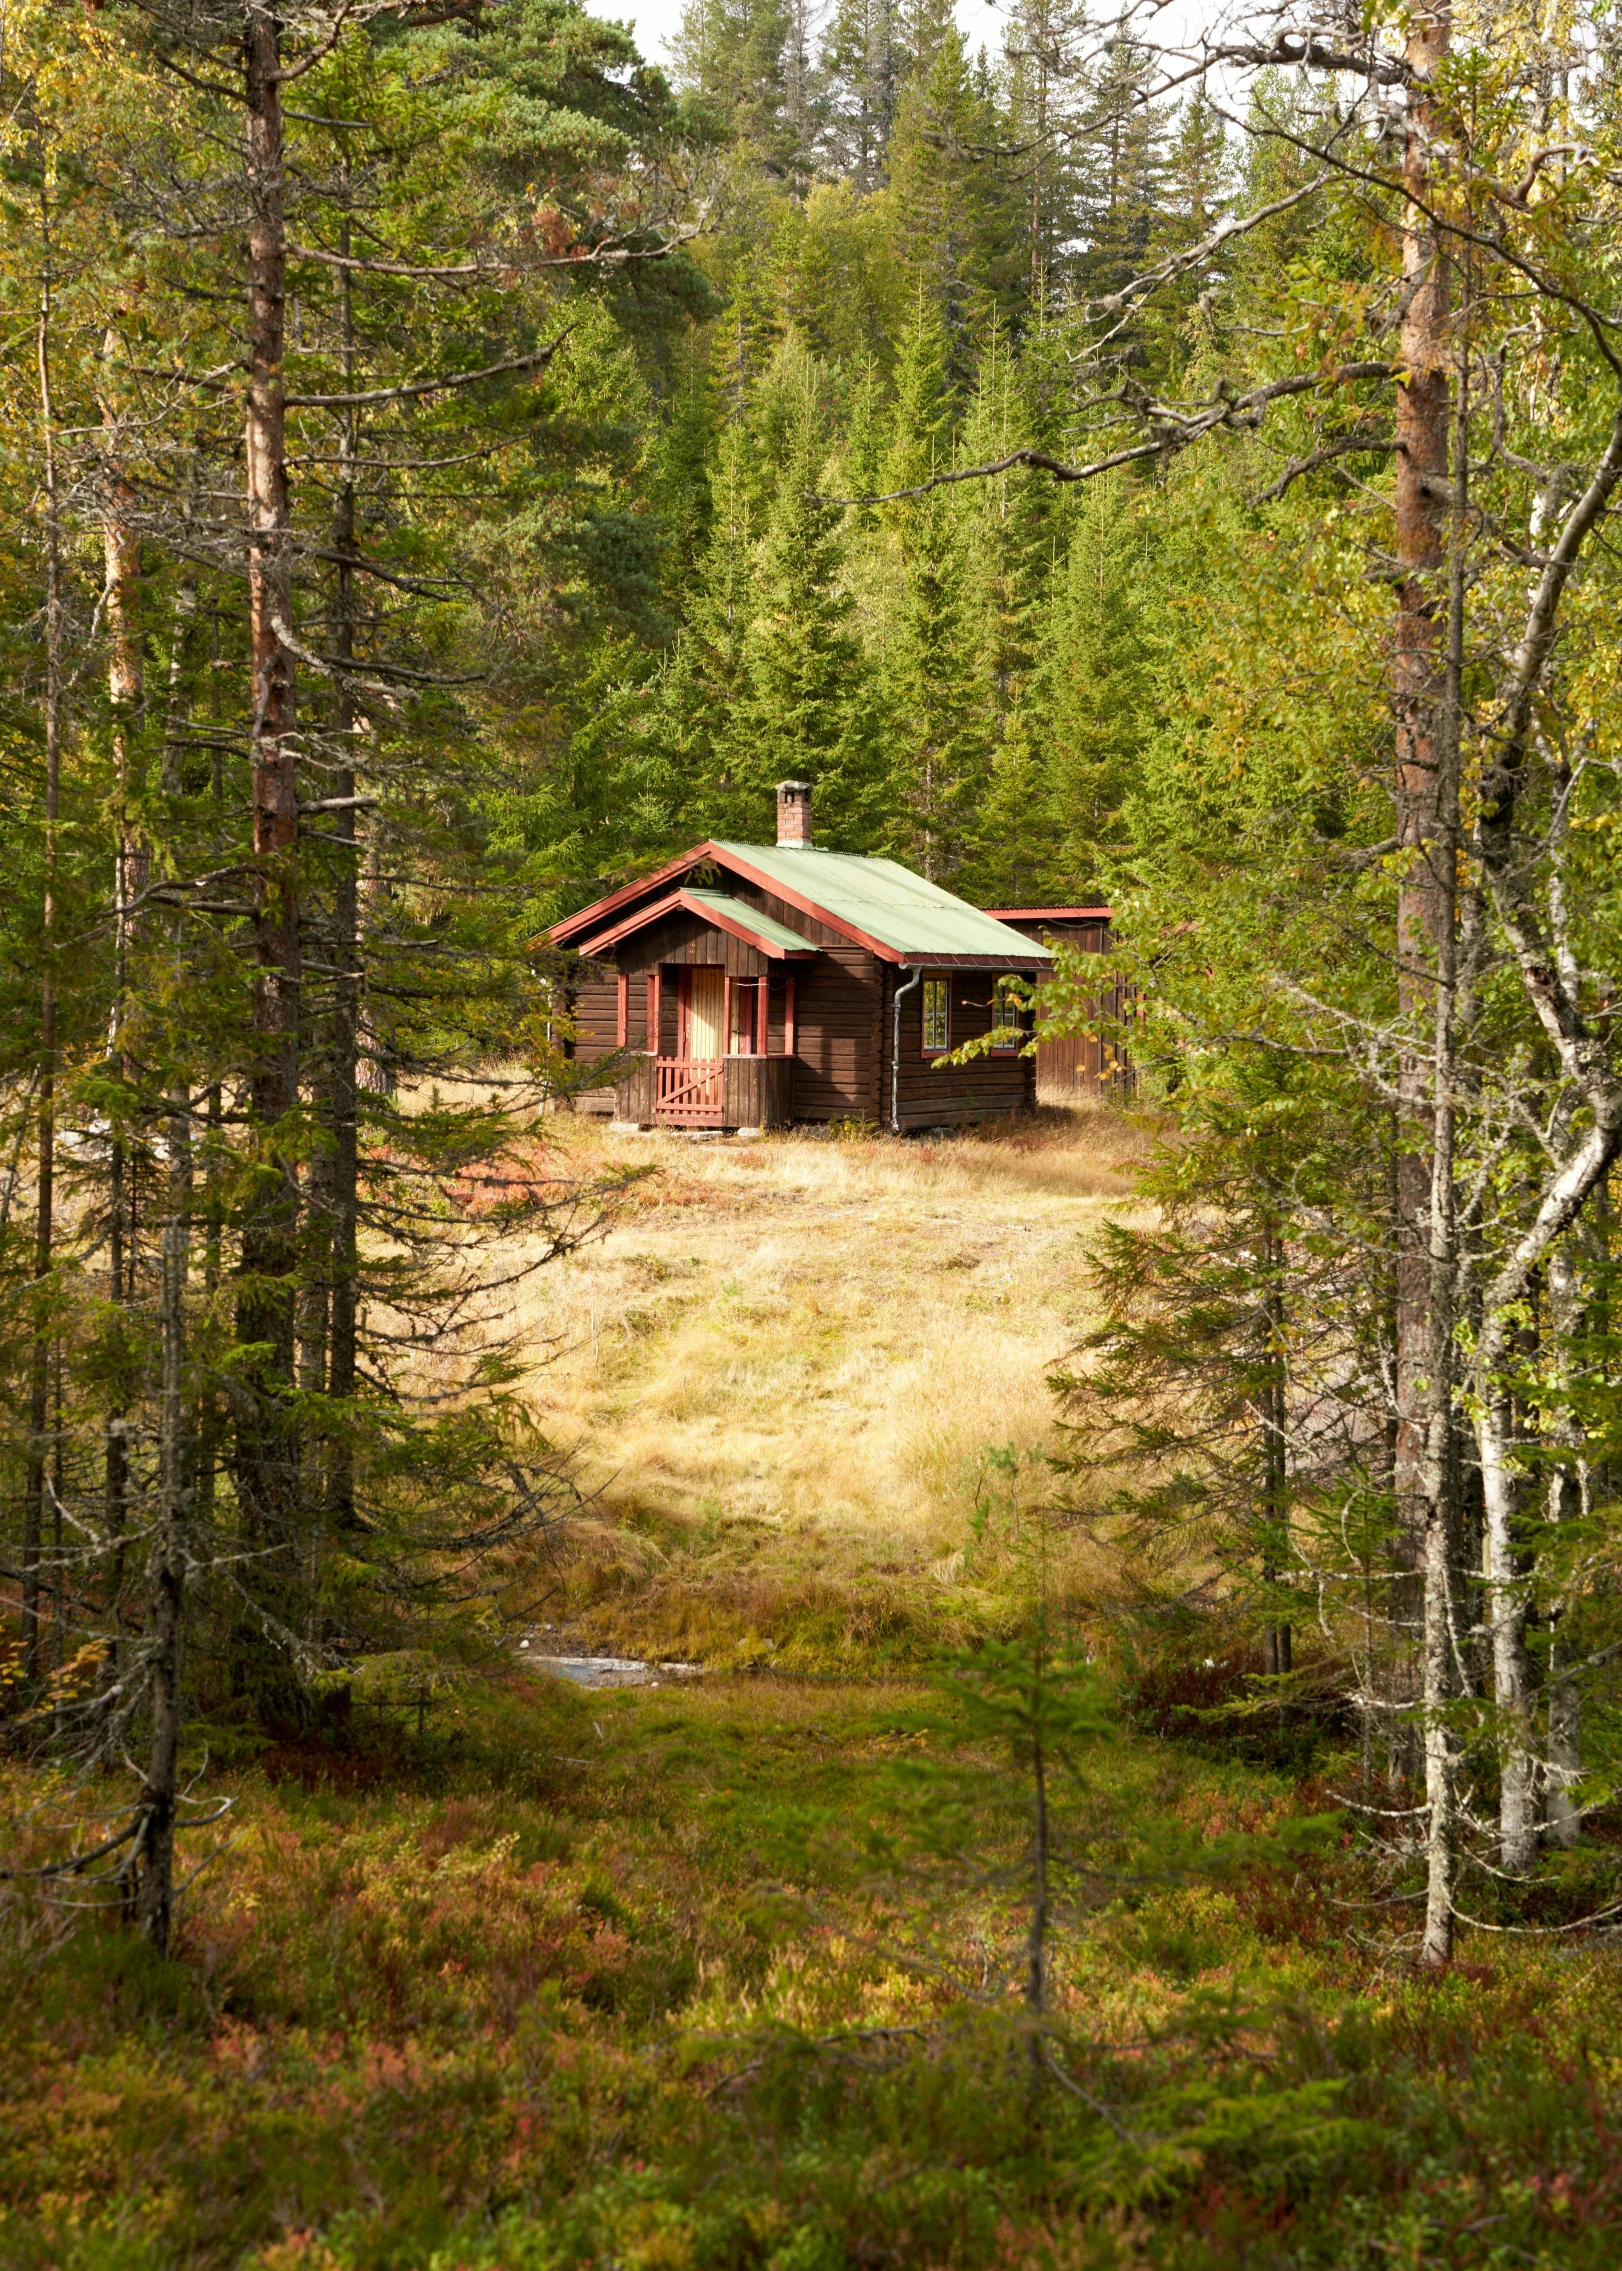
(793, 812)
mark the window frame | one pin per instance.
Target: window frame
(1006, 1009)
(941, 985)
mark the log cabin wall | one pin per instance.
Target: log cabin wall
(834, 1002)
(595, 1014)
(987, 1088)
(1082, 1064)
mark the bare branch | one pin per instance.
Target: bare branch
(430, 386)
(1241, 412)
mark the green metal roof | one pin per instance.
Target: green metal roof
(751, 918)
(904, 912)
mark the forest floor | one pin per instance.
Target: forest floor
(630, 1981)
(704, 1977)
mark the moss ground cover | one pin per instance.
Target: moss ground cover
(536, 1991)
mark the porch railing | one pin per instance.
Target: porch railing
(707, 1092)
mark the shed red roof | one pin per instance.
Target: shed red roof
(1051, 914)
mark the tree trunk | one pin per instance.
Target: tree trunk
(1507, 1604)
(1565, 1502)
(45, 1188)
(346, 1018)
(1036, 1943)
(1426, 694)
(1565, 1749)
(1421, 516)
(121, 555)
(266, 1447)
(155, 1836)
(1276, 1636)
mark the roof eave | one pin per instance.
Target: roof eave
(563, 933)
(688, 902)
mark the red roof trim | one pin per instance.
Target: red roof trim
(1050, 914)
(585, 923)
(588, 917)
(730, 924)
(927, 962)
(690, 903)
(632, 922)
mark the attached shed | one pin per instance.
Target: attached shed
(1085, 1063)
(760, 984)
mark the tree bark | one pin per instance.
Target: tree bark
(1277, 1652)
(155, 1833)
(45, 1188)
(266, 1454)
(126, 689)
(1508, 1604)
(1565, 1503)
(1418, 676)
(346, 1035)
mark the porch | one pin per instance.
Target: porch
(707, 1092)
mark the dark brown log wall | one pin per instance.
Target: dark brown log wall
(595, 1016)
(1083, 1064)
(987, 1088)
(833, 1034)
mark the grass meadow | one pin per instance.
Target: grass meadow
(796, 1371)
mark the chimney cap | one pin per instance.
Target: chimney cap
(793, 814)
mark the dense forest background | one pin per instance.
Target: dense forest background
(900, 243)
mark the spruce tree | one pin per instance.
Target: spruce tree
(950, 229)
(1096, 693)
(731, 54)
(810, 706)
(941, 718)
(861, 70)
(1120, 159)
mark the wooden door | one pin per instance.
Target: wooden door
(706, 1014)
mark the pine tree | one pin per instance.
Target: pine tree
(694, 750)
(1120, 159)
(861, 69)
(950, 228)
(1096, 697)
(810, 706)
(731, 53)
(940, 710)
(1043, 75)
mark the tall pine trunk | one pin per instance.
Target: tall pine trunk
(39, 1371)
(346, 1020)
(266, 1452)
(155, 1835)
(131, 870)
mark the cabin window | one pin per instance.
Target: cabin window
(745, 1017)
(1005, 1031)
(937, 1016)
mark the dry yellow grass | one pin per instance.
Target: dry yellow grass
(786, 1366)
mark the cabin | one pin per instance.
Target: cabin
(756, 985)
(1080, 1065)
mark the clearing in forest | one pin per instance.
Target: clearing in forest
(796, 1368)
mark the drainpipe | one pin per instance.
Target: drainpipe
(916, 979)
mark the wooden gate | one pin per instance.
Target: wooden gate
(691, 1092)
